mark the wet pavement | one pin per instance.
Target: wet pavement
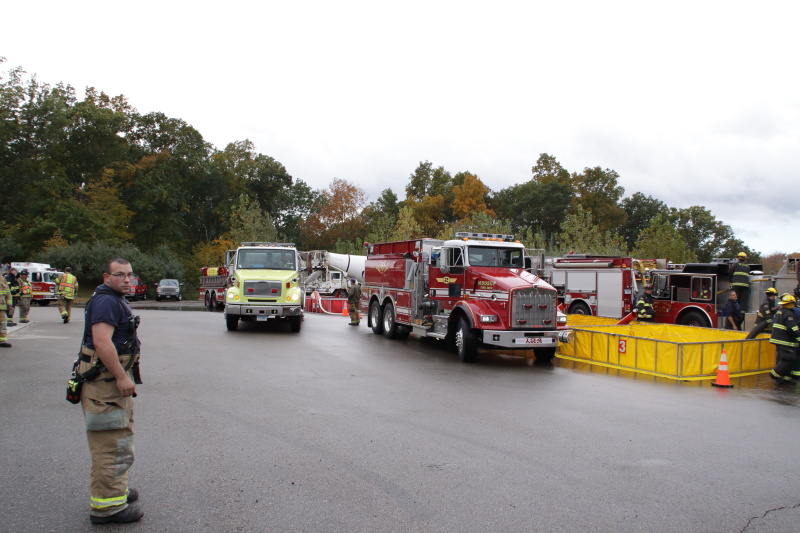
(338, 429)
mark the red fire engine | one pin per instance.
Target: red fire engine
(213, 282)
(695, 295)
(594, 284)
(41, 276)
(473, 291)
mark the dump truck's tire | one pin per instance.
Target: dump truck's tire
(296, 322)
(466, 344)
(232, 322)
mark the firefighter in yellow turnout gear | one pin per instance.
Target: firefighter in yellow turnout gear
(67, 290)
(25, 295)
(353, 300)
(5, 302)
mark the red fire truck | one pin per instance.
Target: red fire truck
(213, 282)
(695, 295)
(41, 277)
(596, 285)
(472, 291)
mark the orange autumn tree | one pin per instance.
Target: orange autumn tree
(340, 218)
(470, 197)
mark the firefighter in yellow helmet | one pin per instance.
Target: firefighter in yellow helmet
(786, 338)
(767, 309)
(67, 285)
(740, 280)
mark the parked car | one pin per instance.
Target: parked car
(168, 289)
(138, 290)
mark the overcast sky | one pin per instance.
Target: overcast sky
(693, 103)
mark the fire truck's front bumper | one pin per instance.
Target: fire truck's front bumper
(263, 312)
(526, 339)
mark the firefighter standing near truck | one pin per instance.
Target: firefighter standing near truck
(353, 301)
(644, 307)
(67, 289)
(25, 295)
(740, 280)
(786, 338)
(767, 310)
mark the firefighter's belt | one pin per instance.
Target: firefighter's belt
(87, 354)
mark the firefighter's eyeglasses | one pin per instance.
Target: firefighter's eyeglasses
(122, 275)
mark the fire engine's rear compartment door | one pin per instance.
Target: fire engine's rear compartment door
(609, 294)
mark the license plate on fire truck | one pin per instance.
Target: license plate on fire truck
(539, 341)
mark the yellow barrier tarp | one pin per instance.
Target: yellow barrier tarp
(677, 352)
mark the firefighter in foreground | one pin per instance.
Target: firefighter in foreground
(25, 295)
(13, 287)
(67, 289)
(111, 351)
(786, 338)
(5, 299)
(644, 307)
(740, 281)
(353, 301)
(767, 310)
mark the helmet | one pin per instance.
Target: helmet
(771, 290)
(787, 300)
(23, 273)
(742, 255)
(648, 287)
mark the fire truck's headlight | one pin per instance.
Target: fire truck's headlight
(488, 319)
(293, 298)
(561, 320)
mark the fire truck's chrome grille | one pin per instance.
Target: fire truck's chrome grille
(533, 308)
(262, 288)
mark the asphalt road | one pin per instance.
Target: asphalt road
(335, 429)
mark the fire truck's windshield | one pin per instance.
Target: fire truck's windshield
(490, 256)
(266, 259)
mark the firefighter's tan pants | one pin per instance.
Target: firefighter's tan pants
(24, 308)
(352, 310)
(109, 430)
(3, 328)
(65, 306)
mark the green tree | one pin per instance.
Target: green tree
(536, 205)
(580, 234)
(661, 240)
(548, 170)
(598, 191)
(407, 227)
(250, 224)
(640, 211)
(702, 232)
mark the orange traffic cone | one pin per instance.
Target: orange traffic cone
(722, 372)
(344, 311)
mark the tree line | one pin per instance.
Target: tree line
(81, 176)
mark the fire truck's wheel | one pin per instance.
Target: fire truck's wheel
(695, 319)
(389, 323)
(295, 323)
(580, 308)
(466, 345)
(376, 318)
(212, 302)
(544, 355)
(232, 321)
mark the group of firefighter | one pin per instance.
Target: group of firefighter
(16, 291)
(779, 319)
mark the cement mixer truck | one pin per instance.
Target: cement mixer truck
(327, 272)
